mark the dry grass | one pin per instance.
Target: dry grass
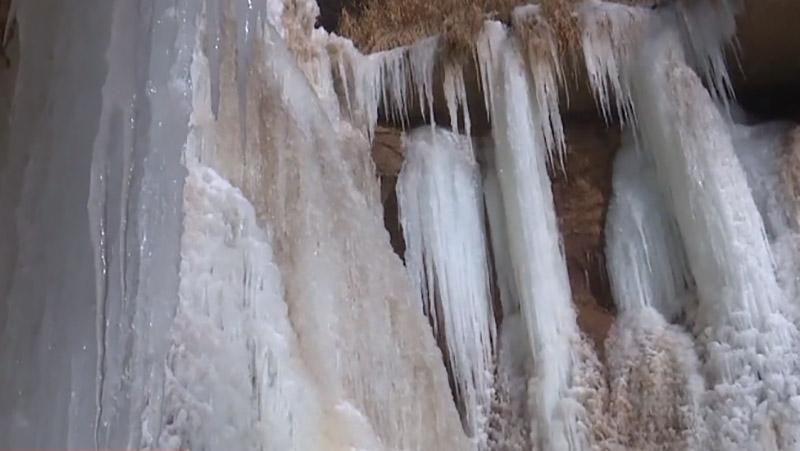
(384, 24)
(376, 25)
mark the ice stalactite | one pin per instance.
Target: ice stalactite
(646, 261)
(536, 255)
(749, 344)
(390, 79)
(439, 194)
(708, 27)
(539, 44)
(609, 35)
(455, 94)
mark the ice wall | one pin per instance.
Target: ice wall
(441, 211)
(234, 377)
(92, 185)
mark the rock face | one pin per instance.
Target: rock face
(582, 193)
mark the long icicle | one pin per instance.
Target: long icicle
(537, 257)
(440, 205)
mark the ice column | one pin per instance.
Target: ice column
(439, 193)
(535, 245)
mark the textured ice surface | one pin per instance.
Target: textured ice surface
(767, 161)
(234, 378)
(656, 386)
(441, 211)
(360, 332)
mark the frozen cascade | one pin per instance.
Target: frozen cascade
(646, 261)
(538, 262)
(749, 343)
(362, 337)
(217, 274)
(158, 341)
(439, 194)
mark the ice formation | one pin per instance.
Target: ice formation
(229, 283)
(259, 307)
(646, 261)
(439, 194)
(537, 260)
(748, 339)
(656, 386)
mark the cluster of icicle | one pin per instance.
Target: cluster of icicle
(701, 242)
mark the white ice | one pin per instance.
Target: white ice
(441, 211)
(537, 258)
(749, 343)
(644, 253)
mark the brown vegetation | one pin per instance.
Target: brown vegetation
(376, 25)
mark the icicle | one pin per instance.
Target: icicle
(646, 261)
(455, 94)
(609, 33)
(539, 43)
(394, 83)
(487, 50)
(442, 217)
(539, 267)
(708, 27)
(422, 59)
(360, 82)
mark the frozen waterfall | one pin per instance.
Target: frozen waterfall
(194, 254)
